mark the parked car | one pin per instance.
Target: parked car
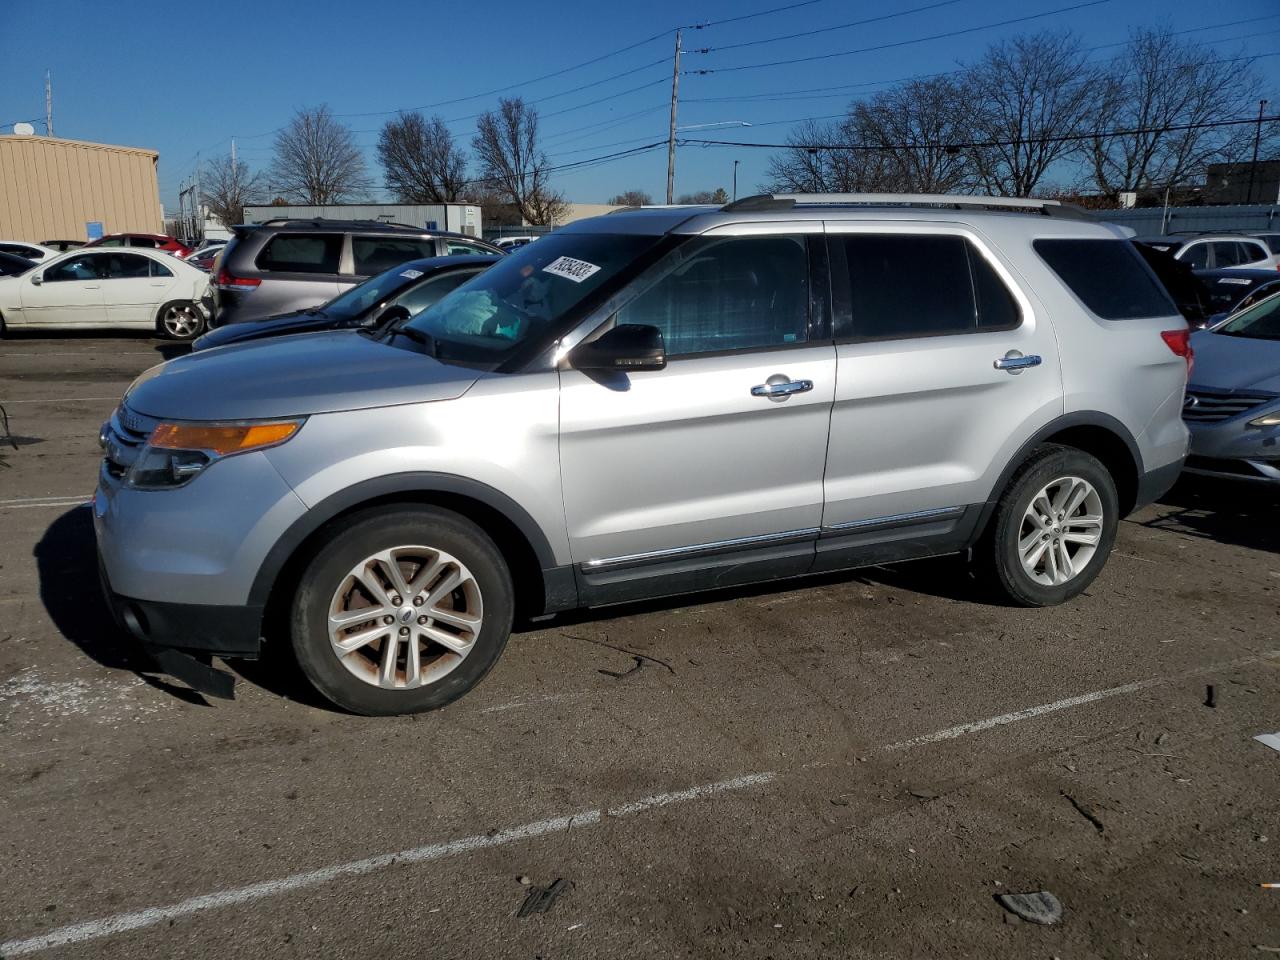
(285, 265)
(1187, 290)
(513, 243)
(400, 292)
(62, 245)
(11, 265)
(1233, 401)
(1216, 251)
(205, 257)
(28, 251)
(143, 241)
(1231, 290)
(86, 288)
(653, 402)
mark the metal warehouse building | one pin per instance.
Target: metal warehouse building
(458, 217)
(52, 189)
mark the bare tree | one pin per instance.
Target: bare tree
(914, 128)
(420, 161)
(1160, 83)
(506, 144)
(632, 198)
(718, 196)
(1027, 97)
(226, 186)
(817, 161)
(317, 160)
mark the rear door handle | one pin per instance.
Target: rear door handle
(782, 388)
(1014, 361)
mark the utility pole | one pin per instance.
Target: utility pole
(1253, 165)
(735, 178)
(48, 103)
(233, 155)
(197, 229)
(671, 134)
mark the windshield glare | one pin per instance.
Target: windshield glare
(1260, 322)
(525, 295)
(349, 305)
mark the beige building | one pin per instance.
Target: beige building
(51, 189)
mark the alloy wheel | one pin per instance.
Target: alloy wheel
(1060, 531)
(181, 321)
(405, 617)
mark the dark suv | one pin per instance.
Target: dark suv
(285, 265)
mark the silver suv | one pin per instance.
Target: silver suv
(652, 402)
(284, 265)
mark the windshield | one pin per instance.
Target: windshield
(525, 296)
(350, 305)
(1259, 322)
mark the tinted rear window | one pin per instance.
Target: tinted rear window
(1108, 276)
(301, 253)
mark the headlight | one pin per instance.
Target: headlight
(1271, 419)
(175, 453)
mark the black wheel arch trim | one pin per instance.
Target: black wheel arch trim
(1079, 418)
(417, 482)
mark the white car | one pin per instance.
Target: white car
(35, 252)
(135, 289)
(513, 243)
(1216, 251)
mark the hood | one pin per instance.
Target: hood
(294, 376)
(299, 322)
(1235, 363)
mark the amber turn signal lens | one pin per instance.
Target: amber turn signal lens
(222, 439)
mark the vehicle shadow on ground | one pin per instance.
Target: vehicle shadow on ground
(66, 561)
(1238, 513)
(167, 349)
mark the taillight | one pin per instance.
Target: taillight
(1179, 341)
(226, 281)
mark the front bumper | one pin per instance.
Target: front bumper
(1232, 449)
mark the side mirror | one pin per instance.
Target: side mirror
(627, 347)
(37, 278)
(391, 315)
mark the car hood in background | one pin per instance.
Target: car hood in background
(294, 376)
(300, 322)
(1235, 363)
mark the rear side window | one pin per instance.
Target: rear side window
(373, 255)
(1251, 252)
(159, 269)
(1196, 256)
(143, 242)
(301, 253)
(919, 286)
(1108, 277)
(460, 248)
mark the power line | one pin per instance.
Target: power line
(1063, 138)
(750, 16)
(838, 26)
(901, 43)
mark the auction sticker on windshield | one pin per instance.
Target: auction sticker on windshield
(570, 269)
(411, 274)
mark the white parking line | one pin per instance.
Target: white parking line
(121, 922)
(24, 503)
(150, 916)
(58, 400)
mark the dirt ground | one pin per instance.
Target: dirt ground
(851, 766)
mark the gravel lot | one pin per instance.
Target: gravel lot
(848, 766)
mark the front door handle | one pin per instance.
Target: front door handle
(781, 388)
(1013, 361)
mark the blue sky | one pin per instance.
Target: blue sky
(184, 78)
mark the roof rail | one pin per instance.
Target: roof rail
(326, 222)
(787, 201)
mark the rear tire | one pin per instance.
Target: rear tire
(404, 609)
(180, 320)
(1053, 528)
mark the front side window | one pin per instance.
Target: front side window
(460, 248)
(301, 253)
(920, 285)
(735, 293)
(376, 254)
(82, 267)
(1108, 277)
(1196, 256)
(526, 299)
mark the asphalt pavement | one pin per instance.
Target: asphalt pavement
(852, 766)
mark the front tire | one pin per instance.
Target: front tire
(180, 320)
(1053, 528)
(402, 610)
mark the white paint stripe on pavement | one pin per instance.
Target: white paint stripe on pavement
(122, 922)
(57, 400)
(150, 916)
(979, 725)
(28, 502)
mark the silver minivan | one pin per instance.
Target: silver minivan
(652, 402)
